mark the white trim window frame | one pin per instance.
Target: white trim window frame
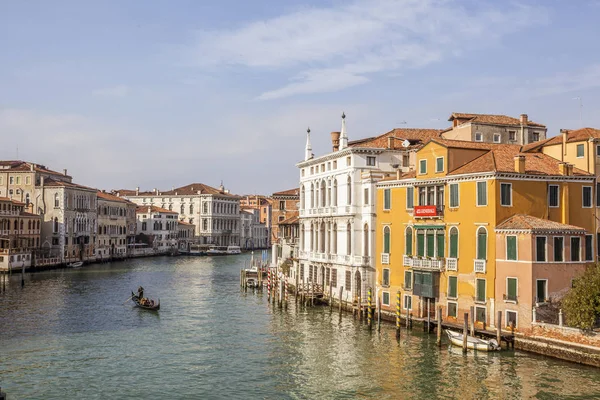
(516, 247)
(545, 290)
(407, 298)
(507, 300)
(578, 248)
(510, 203)
(448, 309)
(516, 317)
(557, 196)
(480, 135)
(580, 146)
(545, 260)
(583, 190)
(585, 252)
(383, 282)
(497, 135)
(422, 163)
(436, 164)
(477, 193)
(383, 298)
(457, 186)
(554, 249)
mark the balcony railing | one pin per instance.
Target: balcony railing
(407, 261)
(479, 266)
(385, 258)
(430, 264)
(452, 264)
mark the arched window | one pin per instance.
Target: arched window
(334, 193)
(55, 225)
(322, 238)
(481, 243)
(29, 224)
(191, 208)
(182, 209)
(323, 194)
(349, 191)
(16, 225)
(312, 195)
(386, 240)
(349, 239)
(205, 208)
(205, 224)
(21, 225)
(366, 240)
(453, 253)
(329, 193)
(302, 197)
(27, 199)
(334, 244)
(56, 203)
(170, 207)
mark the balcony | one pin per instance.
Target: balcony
(479, 266)
(385, 258)
(452, 264)
(422, 263)
(407, 261)
(362, 260)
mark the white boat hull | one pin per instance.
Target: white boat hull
(473, 343)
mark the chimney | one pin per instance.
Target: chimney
(156, 191)
(65, 171)
(570, 169)
(42, 181)
(335, 140)
(565, 137)
(398, 174)
(391, 142)
(562, 168)
(523, 119)
(31, 167)
(149, 209)
(137, 191)
(520, 164)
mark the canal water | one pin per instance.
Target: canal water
(71, 334)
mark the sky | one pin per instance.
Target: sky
(156, 94)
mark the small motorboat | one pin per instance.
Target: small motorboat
(75, 264)
(473, 343)
(145, 303)
(251, 283)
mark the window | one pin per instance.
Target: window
(496, 138)
(385, 298)
(553, 192)
(420, 243)
(406, 160)
(144, 226)
(512, 136)
(481, 194)
(370, 161)
(506, 194)
(511, 318)
(282, 205)
(408, 280)
(280, 218)
(453, 253)
(480, 295)
(407, 302)
(452, 309)
(410, 197)
(478, 137)
(348, 239)
(387, 199)
(11, 180)
(540, 248)
(452, 287)
(440, 241)
(587, 196)
(366, 199)
(558, 248)
(334, 277)
(408, 241)
(348, 280)
(348, 161)
(454, 198)
(580, 151)
(334, 164)
(598, 194)
(511, 248)
(541, 286)
(481, 243)
(511, 289)
(575, 248)
(480, 314)
(56, 200)
(422, 166)
(430, 243)
(349, 192)
(322, 167)
(28, 180)
(386, 240)
(589, 247)
(303, 172)
(536, 136)
(439, 164)
(385, 281)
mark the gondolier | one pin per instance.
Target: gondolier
(140, 292)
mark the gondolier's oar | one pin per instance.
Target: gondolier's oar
(129, 298)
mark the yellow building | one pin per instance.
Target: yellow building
(436, 239)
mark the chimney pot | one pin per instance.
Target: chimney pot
(520, 164)
(137, 191)
(391, 142)
(398, 173)
(523, 119)
(335, 140)
(65, 171)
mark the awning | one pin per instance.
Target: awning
(429, 226)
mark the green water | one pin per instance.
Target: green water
(68, 335)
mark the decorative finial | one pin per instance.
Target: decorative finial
(343, 115)
(308, 130)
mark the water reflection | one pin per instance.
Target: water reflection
(67, 334)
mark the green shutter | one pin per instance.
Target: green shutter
(386, 240)
(481, 245)
(407, 279)
(439, 164)
(410, 195)
(386, 199)
(420, 244)
(409, 243)
(480, 289)
(453, 244)
(481, 194)
(511, 247)
(512, 289)
(430, 244)
(440, 244)
(452, 286)
(454, 195)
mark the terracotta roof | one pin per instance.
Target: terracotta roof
(492, 119)
(501, 159)
(57, 183)
(465, 144)
(144, 209)
(528, 222)
(535, 146)
(404, 175)
(16, 202)
(191, 189)
(185, 223)
(111, 197)
(290, 192)
(18, 165)
(577, 135)
(413, 135)
(291, 220)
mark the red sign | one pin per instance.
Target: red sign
(426, 211)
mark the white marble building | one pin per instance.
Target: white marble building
(159, 226)
(337, 210)
(254, 234)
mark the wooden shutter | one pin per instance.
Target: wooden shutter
(481, 245)
(511, 289)
(452, 286)
(453, 243)
(386, 240)
(430, 244)
(440, 244)
(480, 289)
(420, 244)
(511, 247)
(409, 243)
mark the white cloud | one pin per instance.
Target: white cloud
(328, 49)
(113, 91)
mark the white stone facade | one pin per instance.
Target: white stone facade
(160, 226)
(253, 234)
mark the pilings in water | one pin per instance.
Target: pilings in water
(472, 312)
(499, 328)
(465, 332)
(369, 309)
(398, 315)
(341, 290)
(439, 326)
(378, 314)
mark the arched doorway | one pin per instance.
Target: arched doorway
(357, 285)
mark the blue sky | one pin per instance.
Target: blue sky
(162, 94)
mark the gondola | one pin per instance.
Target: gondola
(154, 306)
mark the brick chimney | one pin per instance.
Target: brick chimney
(391, 142)
(565, 137)
(523, 119)
(335, 140)
(520, 164)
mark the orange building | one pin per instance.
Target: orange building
(285, 206)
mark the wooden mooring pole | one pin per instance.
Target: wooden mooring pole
(472, 321)
(369, 309)
(398, 315)
(499, 329)
(465, 332)
(330, 294)
(378, 314)
(428, 316)
(439, 326)
(341, 290)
